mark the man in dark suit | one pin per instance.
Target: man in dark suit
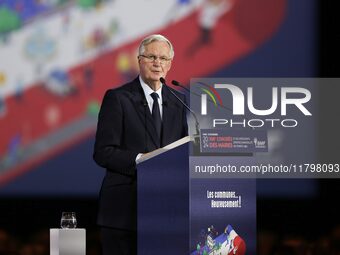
(134, 119)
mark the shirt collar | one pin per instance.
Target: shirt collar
(147, 90)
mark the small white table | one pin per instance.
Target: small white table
(67, 241)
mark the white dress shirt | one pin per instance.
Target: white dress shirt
(148, 91)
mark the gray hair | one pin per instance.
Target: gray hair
(155, 38)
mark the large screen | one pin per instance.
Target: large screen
(57, 59)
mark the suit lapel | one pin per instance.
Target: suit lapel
(142, 109)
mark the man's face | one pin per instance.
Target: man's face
(151, 69)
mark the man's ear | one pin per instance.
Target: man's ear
(169, 66)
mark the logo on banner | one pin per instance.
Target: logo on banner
(259, 143)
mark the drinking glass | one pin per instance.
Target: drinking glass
(68, 220)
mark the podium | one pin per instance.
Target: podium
(67, 241)
(163, 200)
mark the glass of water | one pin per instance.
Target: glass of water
(68, 220)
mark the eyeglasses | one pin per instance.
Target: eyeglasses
(152, 58)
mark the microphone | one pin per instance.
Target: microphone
(144, 102)
(176, 83)
(197, 125)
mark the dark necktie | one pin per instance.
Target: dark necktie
(156, 115)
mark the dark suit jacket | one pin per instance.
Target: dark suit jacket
(125, 128)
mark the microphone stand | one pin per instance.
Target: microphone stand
(196, 136)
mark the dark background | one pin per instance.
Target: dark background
(311, 223)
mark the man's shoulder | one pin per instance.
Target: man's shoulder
(124, 89)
